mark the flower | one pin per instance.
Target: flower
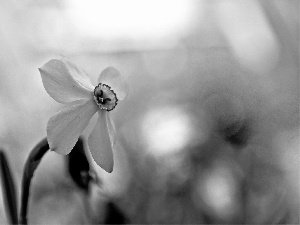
(66, 83)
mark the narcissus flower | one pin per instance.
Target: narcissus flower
(66, 83)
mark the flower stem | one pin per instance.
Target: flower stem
(31, 164)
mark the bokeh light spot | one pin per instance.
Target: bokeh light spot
(217, 189)
(131, 18)
(166, 130)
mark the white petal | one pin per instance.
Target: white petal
(63, 83)
(65, 127)
(113, 78)
(100, 144)
(111, 129)
(78, 74)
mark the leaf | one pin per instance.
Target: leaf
(238, 134)
(114, 215)
(79, 167)
(9, 189)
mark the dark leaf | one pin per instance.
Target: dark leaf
(237, 134)
(8, 190)
(114, 215)
(79, 167)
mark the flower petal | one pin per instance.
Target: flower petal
(78, 74)
(63, 83)
(113, 78)
(100, 144)
(65, 127)
(111, 129)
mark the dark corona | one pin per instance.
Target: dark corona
(105, 97)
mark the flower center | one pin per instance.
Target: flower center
(104, 97)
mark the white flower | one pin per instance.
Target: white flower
(66, 83)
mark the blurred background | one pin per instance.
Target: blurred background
(209, 132)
